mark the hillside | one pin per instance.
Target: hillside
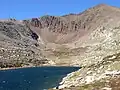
(101, 58)
(19, 46)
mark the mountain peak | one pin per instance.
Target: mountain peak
(103, 6)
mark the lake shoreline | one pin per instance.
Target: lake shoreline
(1, 69)
(14, 68)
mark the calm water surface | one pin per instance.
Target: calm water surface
(39, 78)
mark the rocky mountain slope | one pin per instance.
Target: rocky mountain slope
(19, 46)
(71, 38)
(90, 39)
(101, 59)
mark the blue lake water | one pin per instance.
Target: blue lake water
(38, 78)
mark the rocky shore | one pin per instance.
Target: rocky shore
(100, 76)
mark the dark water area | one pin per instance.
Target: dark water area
(39, 78)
